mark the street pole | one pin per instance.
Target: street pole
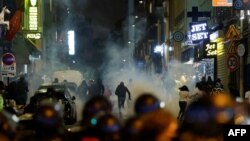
(241, 59)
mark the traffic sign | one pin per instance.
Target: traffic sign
(232, 62)
(8, 59)
(8, 67)
(232, 49)
(241, 50)
(232, 33)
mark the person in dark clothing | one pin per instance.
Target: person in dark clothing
(99, 87)
(11, 90)
(209, 85)
(82, 90)
(22, 89)
(234, 92)
(218, 84)
(121, 91)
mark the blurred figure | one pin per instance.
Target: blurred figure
(145, 103)
(159, 125)
(48, 125)
(183, 100)
(99, 87)
(7, 130)
(12, 90)
(210, 84)
(121, 91)
(107, 92)
(94, 108)
(3, 96)
(22, 89)
(233, 90)
(205, 118)
(131, 129)
(109, 128)
(218, 84)
(56, 80)
(82, 90)
(247, 95)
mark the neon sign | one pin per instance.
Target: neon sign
(33, 15)
(211, 49)
(33, 35)
(198, 31)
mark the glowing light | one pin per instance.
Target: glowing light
(33, 2)
(133, 25)
(162, 104)
(129, 42)
(93, 121)
(136, 17)
(15, 118)
(158, 49)
(198, 31)
(141, 1)
(71, 42)
(211, 49)
(33, 35)
(170, 48)
(33, 18)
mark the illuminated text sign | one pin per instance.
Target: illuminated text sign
(33, 15)
(33, 35)
(211, 49)
(198, 31)
(221, 3)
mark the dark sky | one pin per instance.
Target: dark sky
(94, 20)
(104, 14)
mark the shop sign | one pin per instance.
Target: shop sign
(199, 31)
(222, 3)
(33, 15)
(33, 35)
(211, 49)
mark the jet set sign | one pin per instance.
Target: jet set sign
(199, 31)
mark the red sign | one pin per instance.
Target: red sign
(233, 62)
(15, 23)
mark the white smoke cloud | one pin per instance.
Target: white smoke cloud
(164, 86)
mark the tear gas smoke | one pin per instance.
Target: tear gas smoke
(164, 86)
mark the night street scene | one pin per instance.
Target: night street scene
(125, 70)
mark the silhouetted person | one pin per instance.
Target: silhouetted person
(82, 90)
(209, 85)
(56, 80)
(99, 87)
(121, 91)
(184, 95)
(12, 90)
(234, 92)
(22, 89)
(218, 84)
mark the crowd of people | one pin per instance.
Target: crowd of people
(201, 119)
